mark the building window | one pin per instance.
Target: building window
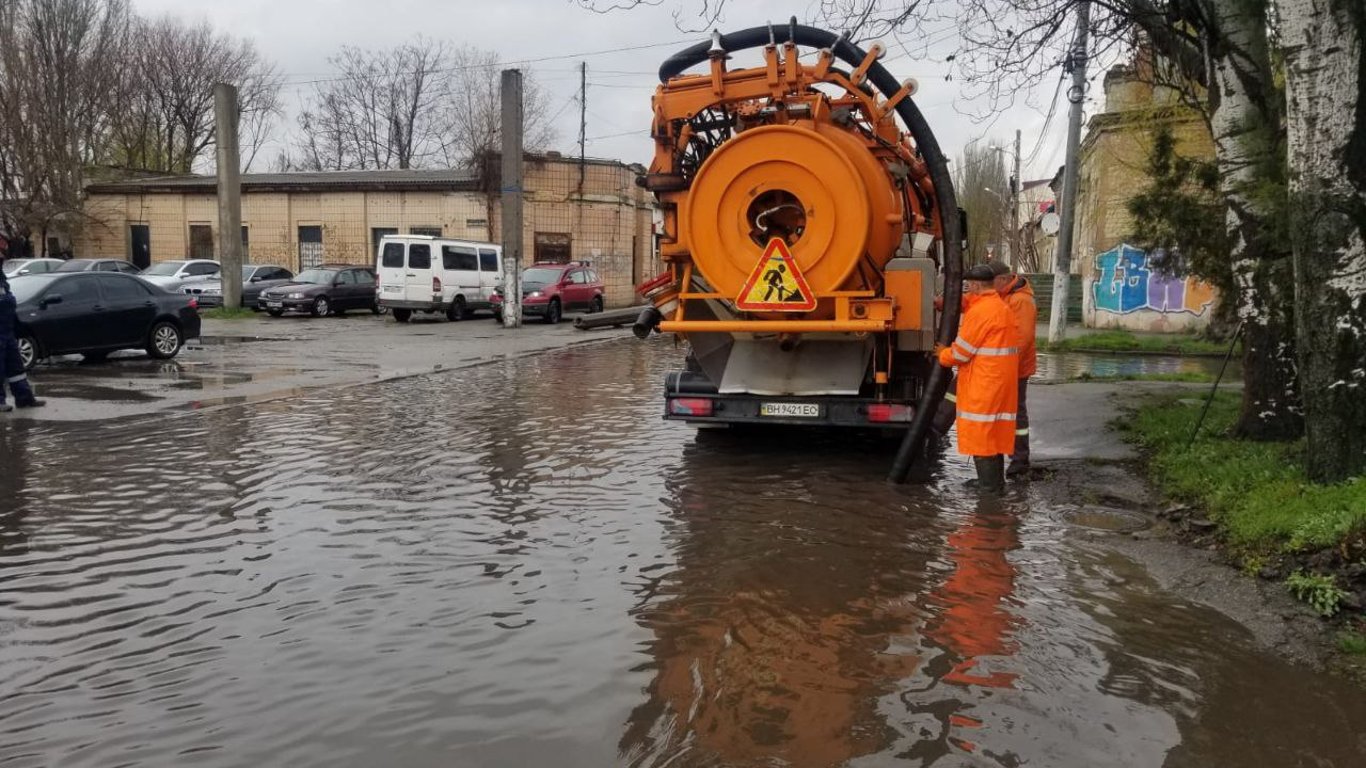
(201, 241)
(246, 244)
(553, 247)
(310, 246)
(430, 231)
(379, 233)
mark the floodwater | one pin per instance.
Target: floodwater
(521, 564)
(1054, 366)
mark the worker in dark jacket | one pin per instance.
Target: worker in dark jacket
(1019, 297)
(12, 373)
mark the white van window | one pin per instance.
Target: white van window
(419, 256)
(458, 257)
(393, 255)
(488, 260)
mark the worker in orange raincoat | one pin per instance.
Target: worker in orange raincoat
(1019, 297)
(986, 353)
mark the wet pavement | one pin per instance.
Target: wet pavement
(520, 564)
(254, 360)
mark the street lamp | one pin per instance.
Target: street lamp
(1015, 189)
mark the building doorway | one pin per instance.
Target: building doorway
(310, 247)
(201, 241)
(140, 245)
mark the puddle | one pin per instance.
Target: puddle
(1055, 367)
(1107, 519)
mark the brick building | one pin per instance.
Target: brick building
(1123, 286)
(301, 219)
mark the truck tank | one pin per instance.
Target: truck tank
(808, 221)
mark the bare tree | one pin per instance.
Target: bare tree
(473, 109)
(385, 110)
(980, 181)
(416, 105)
(58, 66)
(164, 106)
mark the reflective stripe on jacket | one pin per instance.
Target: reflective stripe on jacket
(1020, 298)
(987, 355)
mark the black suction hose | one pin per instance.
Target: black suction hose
(952, 240)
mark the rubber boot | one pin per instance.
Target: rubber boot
(991, 472)
(1019, 461)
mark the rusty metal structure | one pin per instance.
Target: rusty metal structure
(823, 164)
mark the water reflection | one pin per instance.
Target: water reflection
(785, 616)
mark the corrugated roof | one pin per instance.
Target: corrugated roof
(445, 178)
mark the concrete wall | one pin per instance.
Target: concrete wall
(1123, 286)
(609, 223)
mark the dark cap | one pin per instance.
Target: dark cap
(998, 267)
(980, 272)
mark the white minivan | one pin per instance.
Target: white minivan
(421, 273)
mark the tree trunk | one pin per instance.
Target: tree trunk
(1326, 98)
(1246, 124)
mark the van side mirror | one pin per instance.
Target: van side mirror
(55, 298)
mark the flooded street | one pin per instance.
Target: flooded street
(522, 564)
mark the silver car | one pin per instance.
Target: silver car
(20, 267)
(255, 278)
(171, 275)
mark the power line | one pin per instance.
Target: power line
(512, 62)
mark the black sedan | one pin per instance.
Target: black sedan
(326, 290)
(95, 313)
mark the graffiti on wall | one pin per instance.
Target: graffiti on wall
(1129, 280)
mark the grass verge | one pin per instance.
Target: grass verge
(226, 313)
(1124, 341)
(1268, 513)
(1256, 492)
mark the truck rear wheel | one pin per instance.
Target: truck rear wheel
(403, 315)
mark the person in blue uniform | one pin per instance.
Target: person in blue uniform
(12, 373)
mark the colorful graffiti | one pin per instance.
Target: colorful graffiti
(1126, 282)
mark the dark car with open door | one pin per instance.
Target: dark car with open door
(95, 313)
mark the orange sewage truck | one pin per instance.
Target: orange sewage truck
(808, 221)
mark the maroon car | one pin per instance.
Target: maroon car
(550, 290)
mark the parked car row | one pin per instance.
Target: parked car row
(420, 273)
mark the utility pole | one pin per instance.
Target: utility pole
(1076, 62)
(511, 194)
(583, 123)
(1016, 189)
(229, 194)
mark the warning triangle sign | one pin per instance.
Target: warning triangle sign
(776, 284)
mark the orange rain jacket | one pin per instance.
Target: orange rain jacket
(988, 358)
(1020, 298)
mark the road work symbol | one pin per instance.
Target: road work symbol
(776, 285)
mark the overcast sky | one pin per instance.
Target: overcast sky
(300, 35)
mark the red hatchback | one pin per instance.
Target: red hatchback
(550, 290)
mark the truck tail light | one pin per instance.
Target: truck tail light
(883, 413)
(690, 406)
(436, 284)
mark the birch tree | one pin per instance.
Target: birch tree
(1326, 111)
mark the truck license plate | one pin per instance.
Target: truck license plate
(392, 288)
(794, 410)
